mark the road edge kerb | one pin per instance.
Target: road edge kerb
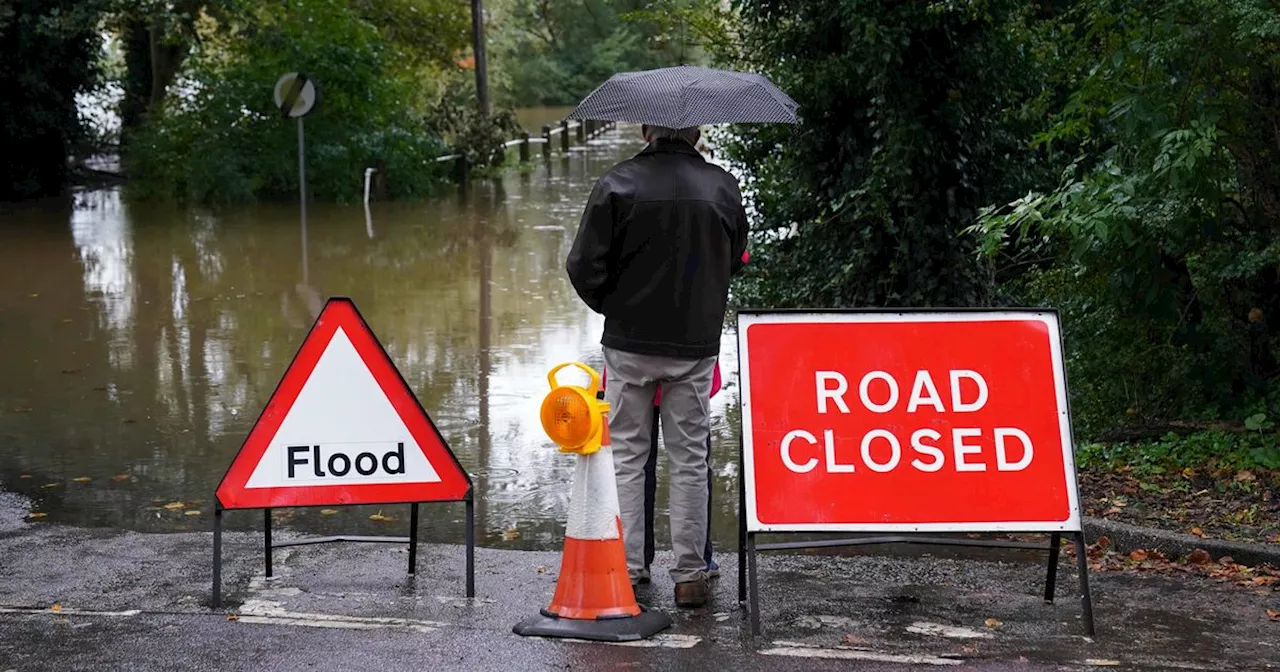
(1125, 537)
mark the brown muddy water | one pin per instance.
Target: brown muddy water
(139, 342)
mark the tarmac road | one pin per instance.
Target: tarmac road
(141, 602)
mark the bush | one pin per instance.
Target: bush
(225, 142)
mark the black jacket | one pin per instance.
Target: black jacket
(661, 235)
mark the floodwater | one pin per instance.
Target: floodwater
(141, 341)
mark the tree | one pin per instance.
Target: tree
(1159, 241)
(48, 55)
(554, 52)
(908, 129)
(225, 142)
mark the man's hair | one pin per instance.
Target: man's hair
(689, 135)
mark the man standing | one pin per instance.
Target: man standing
(660, 237)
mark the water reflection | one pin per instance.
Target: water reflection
(142, 340)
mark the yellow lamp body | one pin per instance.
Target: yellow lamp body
(572, 416)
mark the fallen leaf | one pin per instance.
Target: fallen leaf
(1199, 557)
(1273, 614)
(1197, 531)
(379, 517)
(511, 534)
(50, 485)
(56, 608)
(1138, 555)
(853, 639)
(36, 515)
(542, 570)
(328, 512)
(82, 479)
(29, 476)
(120, 477)
(1246, 476)
(1264, 580)
(1112, 511)
(174, 506)
(1189, 472)
(233, 617)
(192, 512)
(993, 623)
(1226, 560)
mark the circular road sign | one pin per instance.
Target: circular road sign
(295, 95)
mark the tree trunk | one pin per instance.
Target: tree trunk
(153, 57)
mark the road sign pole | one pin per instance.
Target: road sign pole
(1082, 566)
(471, 545)
(217, 556)
(266, 540)
(1051, 581)
(413, 537)
(302, 197)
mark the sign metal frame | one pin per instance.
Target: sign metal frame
(750, 527)
(468, 497)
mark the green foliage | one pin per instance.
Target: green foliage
(477, 137)
(1158, 240)
(551, 52)
(1207, 449)
(225, 142)
(910, 120)
(48, 55)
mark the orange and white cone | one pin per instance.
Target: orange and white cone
(593, 598)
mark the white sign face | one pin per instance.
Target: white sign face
(293, 97)
(342, 430)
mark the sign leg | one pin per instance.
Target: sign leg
(753, 585)
(413, 537)
(471, 547)
(742, 541)
(1086, 600)
(266, 539)
(1050, 582)
(217, 557)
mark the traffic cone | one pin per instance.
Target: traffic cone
(593, 598)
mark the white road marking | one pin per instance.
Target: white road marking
(953, 631)
(347, 622)
(70, 612)
(667, 641)
(797, 650)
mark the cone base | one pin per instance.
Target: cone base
(625, 629)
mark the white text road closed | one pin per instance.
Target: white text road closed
(906, 421)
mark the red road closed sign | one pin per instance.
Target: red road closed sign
(906, 421)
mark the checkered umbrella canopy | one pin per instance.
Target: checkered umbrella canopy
(685, 96)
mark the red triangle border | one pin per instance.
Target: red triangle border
(454, 485)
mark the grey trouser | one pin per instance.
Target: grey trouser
(686, 425)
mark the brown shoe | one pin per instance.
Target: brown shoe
(693, 594)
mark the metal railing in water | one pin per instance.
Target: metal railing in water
(581, 130)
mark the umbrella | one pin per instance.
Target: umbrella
(686, 95)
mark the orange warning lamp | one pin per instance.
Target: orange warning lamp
(572, 416)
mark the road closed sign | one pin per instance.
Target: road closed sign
(906, 421)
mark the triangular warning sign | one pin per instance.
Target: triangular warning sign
(342, 427)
